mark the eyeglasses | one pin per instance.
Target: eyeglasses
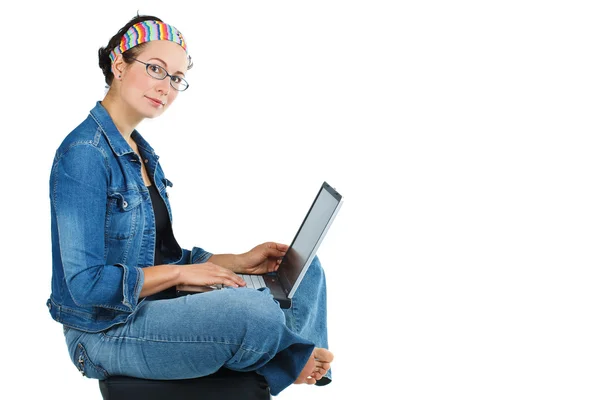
(158, 72)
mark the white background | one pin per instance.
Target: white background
(463, 135)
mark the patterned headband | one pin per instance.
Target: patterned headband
(147, 31)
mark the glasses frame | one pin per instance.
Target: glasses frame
(166, 75)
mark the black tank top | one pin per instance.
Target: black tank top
(161, 218)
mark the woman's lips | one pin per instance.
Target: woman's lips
(155, 102)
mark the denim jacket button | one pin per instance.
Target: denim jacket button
(124, 204)
(146, 161)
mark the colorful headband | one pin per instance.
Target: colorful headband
(147, 31)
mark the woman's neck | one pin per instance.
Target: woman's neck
(124, 118)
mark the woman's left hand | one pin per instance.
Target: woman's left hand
(263, 258)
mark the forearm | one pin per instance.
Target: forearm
(230, 261)
(159, 278)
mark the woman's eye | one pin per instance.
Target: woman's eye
(176, 79)
(155, 68)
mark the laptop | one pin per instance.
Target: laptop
(284, 282)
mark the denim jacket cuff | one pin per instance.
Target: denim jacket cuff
(133, 281)
(186, 257)
(199, 255)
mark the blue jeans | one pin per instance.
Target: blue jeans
(191, 336)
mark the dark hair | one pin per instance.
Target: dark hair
(103, 53)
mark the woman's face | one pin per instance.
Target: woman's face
(149, 96)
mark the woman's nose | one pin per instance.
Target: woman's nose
(164, 86)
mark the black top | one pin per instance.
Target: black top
(161, 217)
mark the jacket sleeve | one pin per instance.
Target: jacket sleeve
(195, 256)
(79, 198)
(199, 255)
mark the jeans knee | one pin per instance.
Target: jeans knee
(316, 272)
(316, 264)
(316, 260)
(260, 312)
(265, 308)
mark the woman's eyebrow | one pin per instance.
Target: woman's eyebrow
(166, 65)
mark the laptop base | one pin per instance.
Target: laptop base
(270, 280)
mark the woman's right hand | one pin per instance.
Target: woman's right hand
(208, 274)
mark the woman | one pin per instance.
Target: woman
(115, 258)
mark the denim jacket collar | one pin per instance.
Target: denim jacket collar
(115, 139)
(145, 148)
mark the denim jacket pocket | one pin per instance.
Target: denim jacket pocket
(86, 366)
(123, 214)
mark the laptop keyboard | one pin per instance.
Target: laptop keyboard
(253, 281)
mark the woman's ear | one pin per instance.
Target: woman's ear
(118, 66)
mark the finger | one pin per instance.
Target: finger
(276, 249)
(277, 246)
(282, 247)
(232, 279)
(239, 280)
(233, 283)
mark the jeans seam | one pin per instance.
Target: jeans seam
(242, 346)
(110, 337)
(295, 318)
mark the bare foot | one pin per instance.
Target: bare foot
(318, 364)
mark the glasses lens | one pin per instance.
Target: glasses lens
(156, 71)
(178, 83)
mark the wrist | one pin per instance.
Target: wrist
(177, 272)
(233, 262)
(238, 263)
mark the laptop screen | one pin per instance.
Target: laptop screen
(309, 236)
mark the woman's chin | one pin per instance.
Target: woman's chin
(150, 114)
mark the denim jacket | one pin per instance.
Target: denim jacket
(103, 228)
